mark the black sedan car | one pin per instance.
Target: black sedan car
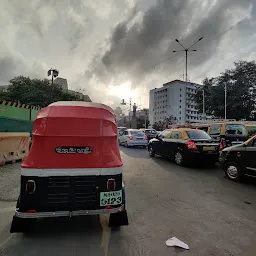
(239, 160)
(185, 146)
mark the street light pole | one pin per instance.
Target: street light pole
(54, 73)
(203, 104)
(186, 50)
(225, 89)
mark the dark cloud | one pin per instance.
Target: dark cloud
(135, 48)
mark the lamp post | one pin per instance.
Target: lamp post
(130, 109)
(186, 50)
(54, 73)
(225, 107)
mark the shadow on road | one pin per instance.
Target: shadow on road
(135, 152)
(64, 236)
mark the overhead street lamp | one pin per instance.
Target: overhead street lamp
(54, 73)
(186, 50)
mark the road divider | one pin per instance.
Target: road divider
(13, 146)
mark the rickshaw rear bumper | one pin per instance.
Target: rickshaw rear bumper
(36, 215)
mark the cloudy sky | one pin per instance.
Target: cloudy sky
(114, 49)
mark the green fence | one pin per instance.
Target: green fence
(18, 111)
(16, 117)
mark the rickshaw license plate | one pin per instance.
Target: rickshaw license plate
(110, 198)
(209, 148)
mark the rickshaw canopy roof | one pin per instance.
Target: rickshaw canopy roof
(75, 118)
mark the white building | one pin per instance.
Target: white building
(174, 99)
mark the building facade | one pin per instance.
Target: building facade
(63, 83)
(174, 100)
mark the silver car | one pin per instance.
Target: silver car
(133, 137)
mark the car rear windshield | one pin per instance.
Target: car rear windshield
(137, 133)
(235, 129)
(198, 135)
(150, 132)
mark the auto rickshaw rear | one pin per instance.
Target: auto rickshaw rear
(74, 166)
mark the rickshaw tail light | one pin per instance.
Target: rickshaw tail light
(111, 184)
(30, 211)
(30, 186)
(130, 137)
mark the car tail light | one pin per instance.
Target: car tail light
(191, 145)
(111, 184)
(222, 144)
(30, 186)
(130, 137)
(146, 136)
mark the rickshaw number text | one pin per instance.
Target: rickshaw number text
(73, 150)
(110, 198)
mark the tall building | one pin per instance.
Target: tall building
(174, 100)
(63, 83)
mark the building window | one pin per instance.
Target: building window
(180, 118)
(180, 95)
(180, 100)
(180, 112)
(180, 106)
(180, 89)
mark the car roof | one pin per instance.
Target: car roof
(183, 129)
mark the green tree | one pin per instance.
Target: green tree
(35, 92)
(241, 92)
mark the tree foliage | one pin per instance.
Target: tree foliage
(241, 93)
(35, 92)
(162, 125)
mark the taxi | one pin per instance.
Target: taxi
(239, 160)
(185, 146)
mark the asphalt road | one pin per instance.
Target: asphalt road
(213, 215)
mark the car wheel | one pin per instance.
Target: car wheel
(178, 158)
(151, 151)
(233, 171)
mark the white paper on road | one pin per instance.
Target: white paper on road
(176, 242)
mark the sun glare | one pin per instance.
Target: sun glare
(122, 91)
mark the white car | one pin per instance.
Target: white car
(133, 137)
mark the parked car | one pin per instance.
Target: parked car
(133, 137)
(239, 160)
(150, 133)
(185, 146)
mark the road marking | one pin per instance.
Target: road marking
(106, 232)
(6, 240)
(8, 209)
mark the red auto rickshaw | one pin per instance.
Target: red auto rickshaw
(74, 166)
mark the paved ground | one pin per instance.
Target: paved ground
(213, 215)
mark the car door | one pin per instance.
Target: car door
(122, 137)
(250, 161)
(160, 143)
(171, 144)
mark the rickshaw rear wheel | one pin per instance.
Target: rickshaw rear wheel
(116, 220)
(20, 225)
